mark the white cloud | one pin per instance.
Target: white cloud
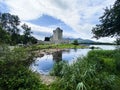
(37, 28)
(40, 32)
(80, 15)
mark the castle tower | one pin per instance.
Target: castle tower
(57, 34)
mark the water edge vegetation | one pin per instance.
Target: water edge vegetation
(99, 70)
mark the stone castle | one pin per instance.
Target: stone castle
(56, 38)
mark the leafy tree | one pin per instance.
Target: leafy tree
(117, 41)
(10, 23)
(9, 30)
(110, 22)
(4, 36)
(33, 40)
(27, 33)
(75, 42)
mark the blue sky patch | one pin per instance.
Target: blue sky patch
(3, 7)
(49, 21)
(45, 20)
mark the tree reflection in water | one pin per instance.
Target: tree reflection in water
(57, 56)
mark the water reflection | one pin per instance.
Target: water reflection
(44, 64)
(75, 49)
(57, 56)
(104, 47)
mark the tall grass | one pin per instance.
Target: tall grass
(99, 70)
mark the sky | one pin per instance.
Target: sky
(75, 17)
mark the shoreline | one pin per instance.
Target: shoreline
(41, 53)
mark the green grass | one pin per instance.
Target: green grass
(54, 46)
(99, 70)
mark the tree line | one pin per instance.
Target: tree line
(10, 29)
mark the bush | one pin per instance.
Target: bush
(15, 73)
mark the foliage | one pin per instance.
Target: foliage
(27, 38)
(75, 42)
(100, 70)
(56, 71)
(10, 30)
(10, 23)
(4, 36)
(110, 22)
(117, 41)
(14, 70)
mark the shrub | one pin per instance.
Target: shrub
(15, 73)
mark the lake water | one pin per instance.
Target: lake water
(44, 64)
(105, 47)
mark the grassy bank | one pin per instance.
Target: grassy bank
(55, 46)
(100, 70)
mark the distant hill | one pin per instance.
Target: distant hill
(80, 40)
(86, 41)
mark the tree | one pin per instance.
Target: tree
(75, 42)
(4, 36)
(33, 40)
(27, 33)
(10, 23)
(110, 23)
(117, 41)
(9, 30)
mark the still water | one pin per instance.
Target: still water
(44, 64)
